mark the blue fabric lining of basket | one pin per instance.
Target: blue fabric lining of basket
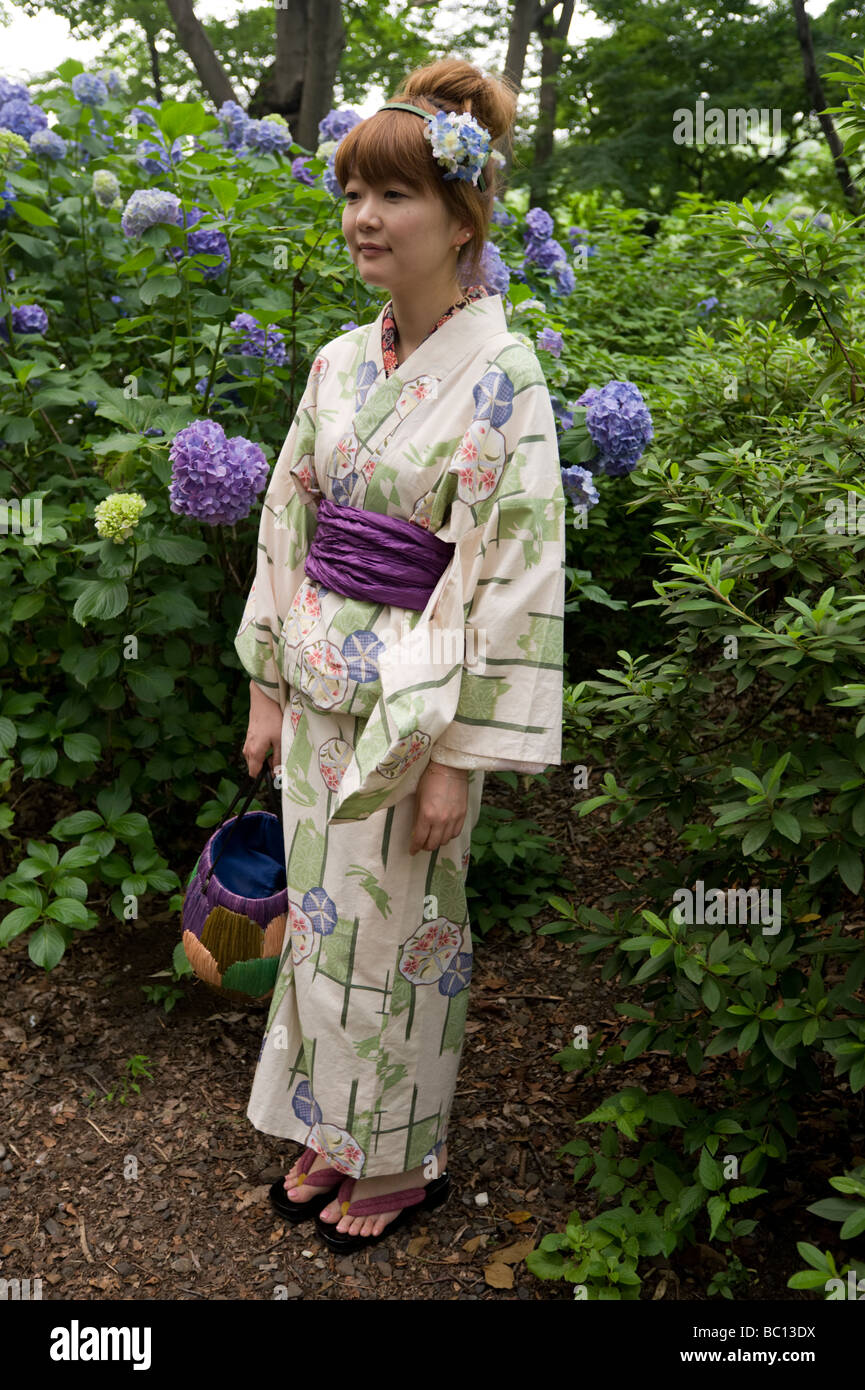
(253, 865)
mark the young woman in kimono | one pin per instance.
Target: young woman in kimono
(403, 635)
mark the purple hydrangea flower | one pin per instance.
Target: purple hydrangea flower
(26, 318)
(551, 341)
(501, 216)
(300, 171)
(619, 423)
(579, 486)
(48, 144)
(22, 117)
(336, 124)
(347, 327)
(116, 298)
(146, 207)
(89, 89)
(7, 196)
(707, 305)
(213, 478)
(540, 224)
(823, 221)
(255, 343)
(154, 431)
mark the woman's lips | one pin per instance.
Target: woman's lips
(374, 250)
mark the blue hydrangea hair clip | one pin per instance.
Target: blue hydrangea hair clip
(459, 142)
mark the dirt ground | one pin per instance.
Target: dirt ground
(165, 1196)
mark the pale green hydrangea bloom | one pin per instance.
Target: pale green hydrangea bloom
(117, 515)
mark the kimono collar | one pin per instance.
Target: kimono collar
(464, 333)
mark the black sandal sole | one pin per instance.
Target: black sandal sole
(298, 1211)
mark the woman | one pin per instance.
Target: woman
(403, 634)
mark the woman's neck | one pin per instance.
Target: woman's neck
(415, 316)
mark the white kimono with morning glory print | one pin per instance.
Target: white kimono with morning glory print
(363, 1040)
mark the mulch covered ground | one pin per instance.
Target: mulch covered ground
(165, 1196)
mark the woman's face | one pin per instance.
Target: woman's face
(416, 230)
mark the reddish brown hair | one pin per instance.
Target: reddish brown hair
(392, 144)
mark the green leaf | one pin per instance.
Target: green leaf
(151, 683)
(47, 945)
(183, 118)
(100, 598)
(160, 287)
(82, 748)
(16, 922)
(35, 216)
(76, 824)
(787, 825)
(226, 193)
(710, 1172)
(178, 550)
(68, 910)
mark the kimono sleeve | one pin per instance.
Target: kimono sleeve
(286, 531)
(509, 711)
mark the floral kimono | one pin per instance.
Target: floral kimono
(363, 1040)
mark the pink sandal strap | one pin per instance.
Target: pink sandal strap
(323, 1177)
(373, 1206)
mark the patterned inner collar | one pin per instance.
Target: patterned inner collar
(390, 337)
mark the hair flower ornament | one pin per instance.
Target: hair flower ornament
(459, 142)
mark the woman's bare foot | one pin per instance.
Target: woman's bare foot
(376, 1187)
(302, 1192)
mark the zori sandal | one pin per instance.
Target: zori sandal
(323, 1177)
(405, 1203)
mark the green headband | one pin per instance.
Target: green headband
(419, 111)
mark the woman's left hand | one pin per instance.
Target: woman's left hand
(441, 802)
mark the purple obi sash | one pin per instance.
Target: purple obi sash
(381, 558)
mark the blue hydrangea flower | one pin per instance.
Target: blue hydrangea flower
(619, 423)
(26, 318)
(47, 144)
(300, 171)
(143, 117)
(268, 136)
(823, 221)
(210, 241)
(154, 157)
(336, 124)
(213, 478)
(492, 271)
(347, 327)
(707, 305)
(12, 91)
(22, 117)
(146, 207)
(7, 195)
(550, 341)
(501, 216)
(235, 121)
(565, 281)
(116, 298)
(579, 486)
(329, 179)
(112, 79)
(218, 402)
(89, 89)
(564, 416)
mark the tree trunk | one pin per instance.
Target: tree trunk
(325, 42)
(818, 102)
(281, 87)
(154, 65)
(554, 36)
(524, 17)
(193, 39)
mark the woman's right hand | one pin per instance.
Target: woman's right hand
(264, 731)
